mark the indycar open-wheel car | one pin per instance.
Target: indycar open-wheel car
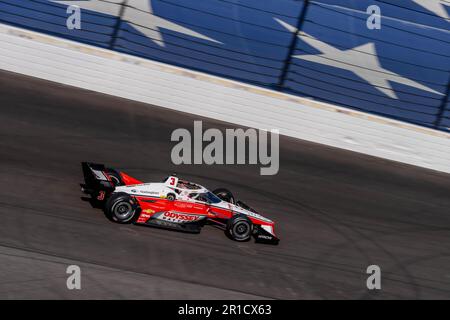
(173, 204)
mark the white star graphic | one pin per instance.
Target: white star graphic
(143, 19)
(434, 6)
(357, 60)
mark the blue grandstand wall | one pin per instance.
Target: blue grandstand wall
(321, 49)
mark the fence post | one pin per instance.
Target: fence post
(444, 101)
(292, 46)
(116, 29)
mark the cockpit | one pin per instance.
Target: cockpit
(182, 184)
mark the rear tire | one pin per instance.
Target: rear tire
(225, 195)
(239, 228)
(115, 177)
(121, 208)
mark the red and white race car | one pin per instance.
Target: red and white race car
(173, 204)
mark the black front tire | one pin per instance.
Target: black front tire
(239, 228)
(121, 208)
(225, 195)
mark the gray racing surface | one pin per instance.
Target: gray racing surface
(337, 212)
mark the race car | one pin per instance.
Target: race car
(173, 203)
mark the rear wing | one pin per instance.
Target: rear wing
(96, 179)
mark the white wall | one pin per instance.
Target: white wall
(175, 88)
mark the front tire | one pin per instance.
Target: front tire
(239, 228)
(121, 208)
(225, 195)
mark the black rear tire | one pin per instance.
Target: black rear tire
(239, 228)
(121, 208)
(225, 195)
(115, 177)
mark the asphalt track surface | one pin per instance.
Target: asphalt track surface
(337, 212)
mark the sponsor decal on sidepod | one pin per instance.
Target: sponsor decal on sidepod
(179, 217)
